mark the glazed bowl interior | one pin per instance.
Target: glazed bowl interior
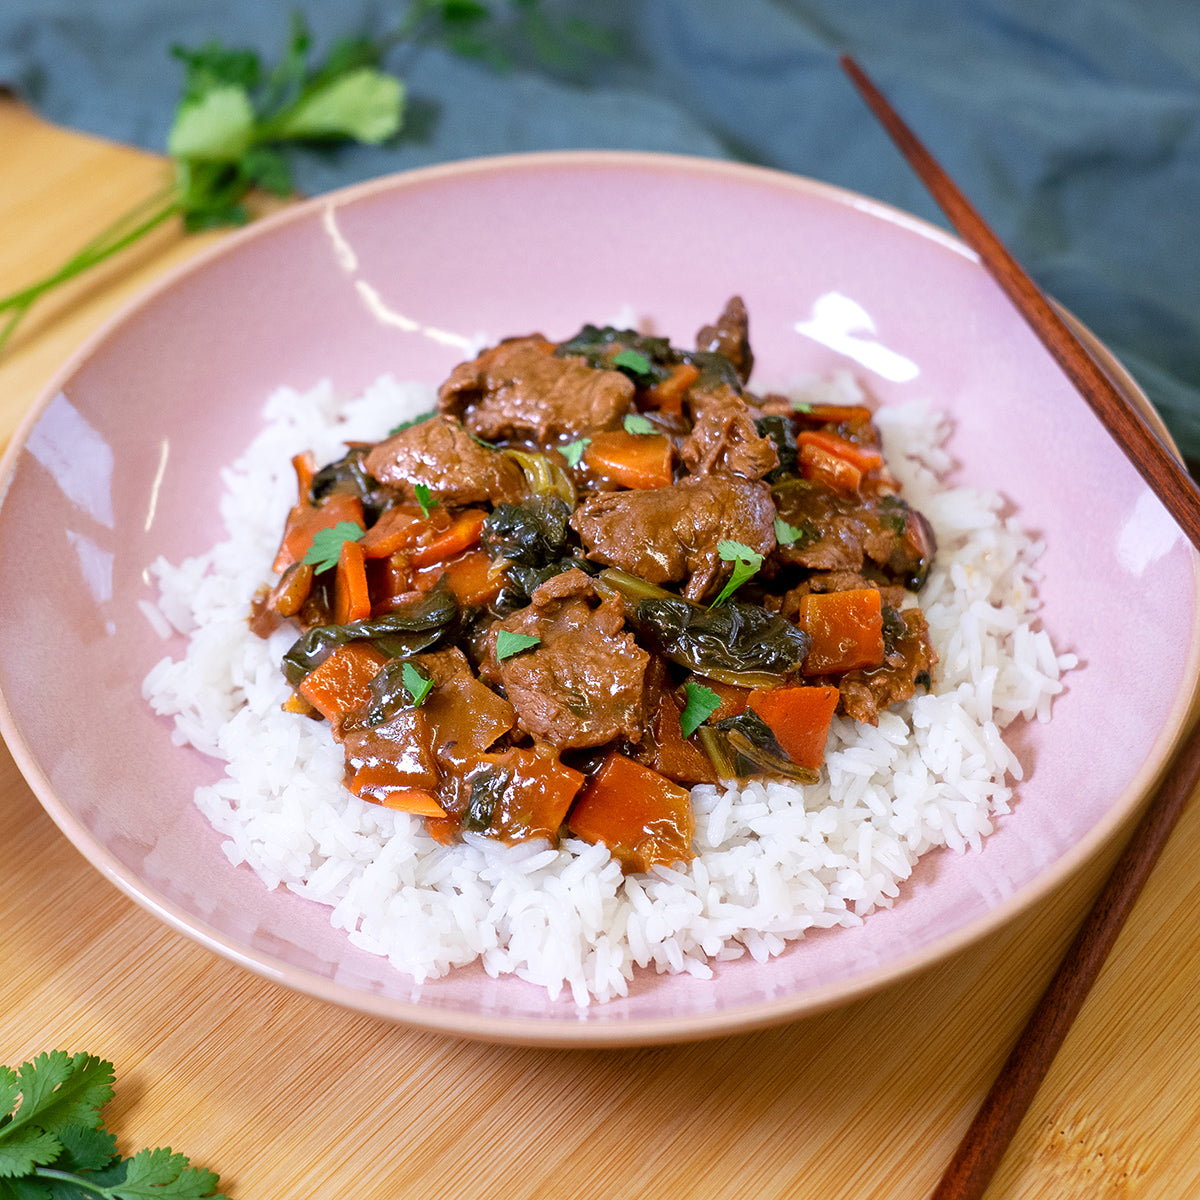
(119, 463)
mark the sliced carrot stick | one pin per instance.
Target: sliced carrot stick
(351, 598)
(305, 466)
(641, 816)
(865, 458)
(342, 682)
(461, 534)
(846, 630)
(799, 717)
(469, 577)
(634, 460)
(535, 801)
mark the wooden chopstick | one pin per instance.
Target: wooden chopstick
(1158, 466)
(983, 1146)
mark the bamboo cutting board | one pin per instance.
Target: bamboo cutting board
(285, 1096)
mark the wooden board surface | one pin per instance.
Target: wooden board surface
(285, 1096)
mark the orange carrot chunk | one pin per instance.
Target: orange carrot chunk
(641, 816)
(469, 577)
(397, 528)
(351, 598)
(799, 717)
(634, 460)
(846, 630)
(535, 801)
(342, 682)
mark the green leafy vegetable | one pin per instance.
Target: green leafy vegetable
(573, 451)
(701, 703)
(509, 643)
(326, 545)
(419, 686)
(424, 498)
(636, 423)
(746, 564)
(53, 1142)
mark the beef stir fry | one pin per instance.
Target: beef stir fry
(601, 572)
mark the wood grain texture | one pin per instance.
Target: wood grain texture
(287, 1097)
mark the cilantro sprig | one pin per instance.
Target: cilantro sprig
(746, 564)
(701, 703)
(238, 119)
(53, 1141)
(326, 546)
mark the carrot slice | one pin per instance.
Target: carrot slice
(865, 458)
(634, 460)
(846, 630)
(305, 521)
(382, 783)
(351, 598)
(799, 717)
(397, 528)
(641, 816)
(839, 474)
(461, 534)
(469, 577)
(305, 466)
(667, 395)
(342, 682)
(535, 801)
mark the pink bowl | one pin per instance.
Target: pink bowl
(117, 463)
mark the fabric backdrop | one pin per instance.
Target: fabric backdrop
(1074, 128)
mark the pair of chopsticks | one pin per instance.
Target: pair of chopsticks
(987, 1138)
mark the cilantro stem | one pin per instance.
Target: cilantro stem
(76, 1181)
(123, 232)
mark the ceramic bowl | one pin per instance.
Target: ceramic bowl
(118, 463)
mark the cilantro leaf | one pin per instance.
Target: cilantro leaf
(424, 498)
(634, 363)
(746, 564)
(509, 643)
(417, 685)
(788, 535)
(326, 545)
(573, 451)
(636, 423)
(701, 703)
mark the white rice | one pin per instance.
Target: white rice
(772, 860)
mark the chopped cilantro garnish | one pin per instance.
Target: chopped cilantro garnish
(636, 423)
(419, 419)
(53, 1141)
(509, 643)
(417, 685)
(746, 564)
(701, 703)
(573, 451)
(802, 406)
(326, 545)
(785, 534)
(424, 498)
(633, 363)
